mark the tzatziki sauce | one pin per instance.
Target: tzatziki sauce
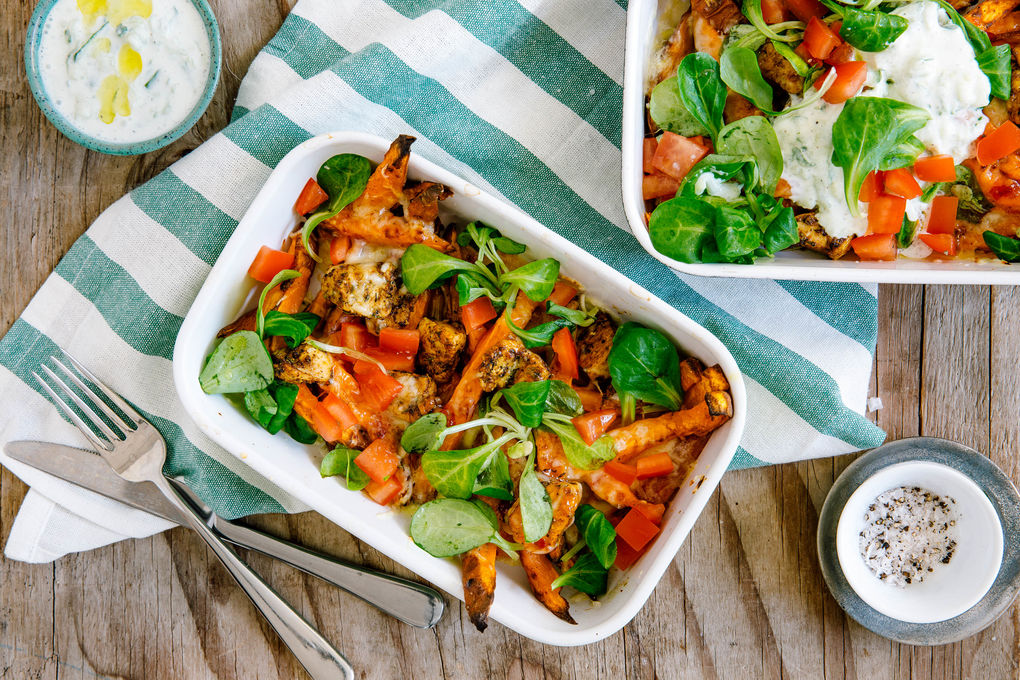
(124, 71)
(931, 66)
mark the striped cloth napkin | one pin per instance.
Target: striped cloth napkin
(523, 100)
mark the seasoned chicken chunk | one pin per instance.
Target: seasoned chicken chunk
(593, 347)
(778, 69)
(417, 398)
(304, 364)
(501, 363)
(814, 237)
(532, 369)
(371, 290)
(441, 347)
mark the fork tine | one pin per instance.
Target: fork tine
(116, 418)
(69, 412)
(110, 394)
(86, 407)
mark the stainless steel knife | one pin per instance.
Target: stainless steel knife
(413, 603)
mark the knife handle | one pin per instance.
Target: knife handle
(413, 603)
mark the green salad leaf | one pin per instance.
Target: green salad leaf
(738, 68)
(587, 576)
(598, 534)
(702, 91)
(536, 509)
(240, 363)
(1004, 247)
(451, 526)
(344, 178)
(340, 461)
(668, 110)
(644, 365)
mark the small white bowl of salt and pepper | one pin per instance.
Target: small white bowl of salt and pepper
(919, 542)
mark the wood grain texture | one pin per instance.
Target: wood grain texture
(743, 599)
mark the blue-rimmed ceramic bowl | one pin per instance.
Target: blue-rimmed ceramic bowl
(67, 128)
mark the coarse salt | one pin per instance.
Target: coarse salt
(908, 531)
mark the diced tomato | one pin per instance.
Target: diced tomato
(1001, 142)
(875, 247)
(566, 352)
(783, 189)
(393, 361)
(940, 243)
(850, 77)
(378, 389)
(803, 53)
(647, 152)
(340, 411)
(806, 9)
(309, 408)
(593, 425)
(562, 294)
(935, 169)
(843, 53)
(653, 511)
(268, 263)
(819, 38)
(354, 335)
(900, 182)
(591, 399)
(621, 471)
(386, 492)
(885, 214)
(657, 185)
(773, 11)
(379, 460)
(338, 248)
(942, 218)
(625, 555)
(676, 155)
(872, 186)
(399, 340)
(636, 529)
(655, 465)
(310, 198)
(477, 313)
(836, 26)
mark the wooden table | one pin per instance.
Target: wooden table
(744, 598)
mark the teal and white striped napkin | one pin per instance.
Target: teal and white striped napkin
(520, 98)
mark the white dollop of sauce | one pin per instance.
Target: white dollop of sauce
(713, 185)
(124, 71)
(931, 66)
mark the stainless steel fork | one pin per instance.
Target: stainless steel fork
(136, 451)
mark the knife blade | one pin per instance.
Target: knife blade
(87, 470)
(413, 603)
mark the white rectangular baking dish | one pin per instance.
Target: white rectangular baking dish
(292, 466)
(642, 26)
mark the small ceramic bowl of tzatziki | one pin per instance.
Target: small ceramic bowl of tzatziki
(123, 76)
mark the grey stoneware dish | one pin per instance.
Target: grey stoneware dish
(1004, 499)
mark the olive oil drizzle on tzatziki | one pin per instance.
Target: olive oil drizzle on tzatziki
(931, 66)
(124, 71)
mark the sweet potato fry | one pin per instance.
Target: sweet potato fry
(698, 420)
(541, 574)
(712, 380)
(461, 406)
(245, 322)
(479, 574)
(987, 12)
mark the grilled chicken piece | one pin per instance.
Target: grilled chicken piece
(777, 69)
(304, 364)
(417, 398)
(531, 369)
(721, 14)
(1013, 105)
(371, 290)
(593, 347)
(502, 363)
(440, 349)
(813, 237)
